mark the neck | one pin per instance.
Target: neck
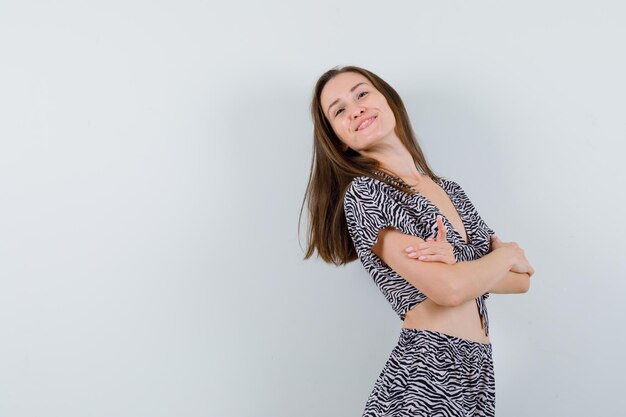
(396, 159)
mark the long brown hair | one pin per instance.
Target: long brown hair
(332, 171)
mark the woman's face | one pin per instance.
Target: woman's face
(361, 116)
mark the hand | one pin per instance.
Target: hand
(521, 264)
(434, 249)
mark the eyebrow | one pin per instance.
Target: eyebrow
(351, 90)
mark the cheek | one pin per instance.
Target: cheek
(390, 120)
(340, 129)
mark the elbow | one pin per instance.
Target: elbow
(446, 300)
(454, 299)
(452, 294)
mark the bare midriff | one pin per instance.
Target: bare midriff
(462, 321)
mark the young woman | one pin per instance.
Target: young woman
(373, 196)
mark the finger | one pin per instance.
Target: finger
(440, 246)
(430, 245)
(441, 235)
(432, 258)
(435, 249)
(425, 245)
(412, 254)
(427, 251)
(416, 247)
(423, 249)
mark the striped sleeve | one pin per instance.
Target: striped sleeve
(367, 212)
(473, 212)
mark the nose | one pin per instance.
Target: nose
(357, 112)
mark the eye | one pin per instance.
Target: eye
(358, 96)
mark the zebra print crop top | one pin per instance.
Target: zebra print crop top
(371, 205)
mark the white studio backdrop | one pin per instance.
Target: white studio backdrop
(154, 157)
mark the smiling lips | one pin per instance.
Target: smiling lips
(366, 123)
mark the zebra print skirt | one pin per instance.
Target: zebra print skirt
(434, 374)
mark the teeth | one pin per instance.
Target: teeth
(370, 120)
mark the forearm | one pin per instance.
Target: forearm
(513, 283)
(471, 279)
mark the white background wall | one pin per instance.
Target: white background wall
(153, 161)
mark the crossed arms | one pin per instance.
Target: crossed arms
(451, 284)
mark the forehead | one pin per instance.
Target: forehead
(339, 86)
